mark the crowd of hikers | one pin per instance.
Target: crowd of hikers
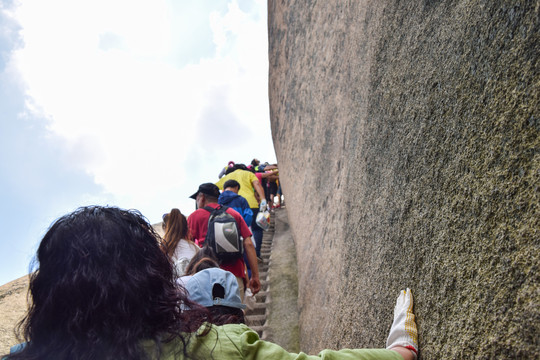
(107, 286)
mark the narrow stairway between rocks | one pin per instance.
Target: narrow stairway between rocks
(274, 313)
(256, 312)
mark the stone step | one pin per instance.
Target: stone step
(261, 296)
(255, 320)
(259, 330)
(256, 315)
(264, 285)
(257, 309)
(263, 267)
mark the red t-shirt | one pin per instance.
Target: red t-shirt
(198, 226)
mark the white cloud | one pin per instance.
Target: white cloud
(100, 72)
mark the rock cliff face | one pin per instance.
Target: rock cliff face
(407, 136)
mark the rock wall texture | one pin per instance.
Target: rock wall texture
(13, 307)
(407, 136)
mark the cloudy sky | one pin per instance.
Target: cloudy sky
(127, 103)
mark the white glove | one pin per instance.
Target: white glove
(263, 205)
(403, 331)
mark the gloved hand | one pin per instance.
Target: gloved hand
(403, 331)
(263, 205)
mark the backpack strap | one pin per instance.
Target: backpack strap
(211, 209)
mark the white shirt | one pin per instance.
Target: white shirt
(183, 253)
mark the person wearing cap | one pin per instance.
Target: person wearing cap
(224, 170)
(104, 289)
(217, 290)
(207, 195)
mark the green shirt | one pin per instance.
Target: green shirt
(237, 341)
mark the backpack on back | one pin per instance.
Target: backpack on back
(223, 236)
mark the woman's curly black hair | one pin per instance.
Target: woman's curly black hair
(102, 286)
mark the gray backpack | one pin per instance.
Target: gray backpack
(223, 235)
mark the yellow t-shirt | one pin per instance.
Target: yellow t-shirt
(245, 179)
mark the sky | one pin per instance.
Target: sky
(123, 103)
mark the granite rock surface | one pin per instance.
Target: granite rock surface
(407, 137)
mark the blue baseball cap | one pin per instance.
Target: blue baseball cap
(200, 287)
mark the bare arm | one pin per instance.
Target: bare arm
(269, 174)
(404, 352)
(254, 282)
(258, 188)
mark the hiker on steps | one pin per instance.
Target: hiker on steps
(216, 290)
(206, 198)
(229, 197)
(232, 199)
(102, 288)
(249, 184)
(175, 241)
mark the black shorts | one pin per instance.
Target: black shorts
(272, 188)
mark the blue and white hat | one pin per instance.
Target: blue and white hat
(200, 287)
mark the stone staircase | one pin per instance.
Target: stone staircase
(256, 313)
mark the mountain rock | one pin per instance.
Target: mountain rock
(407, 137)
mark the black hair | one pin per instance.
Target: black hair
(236, 167)
(102, 286)
(231, 184)
(221, 315)
(210, 198)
